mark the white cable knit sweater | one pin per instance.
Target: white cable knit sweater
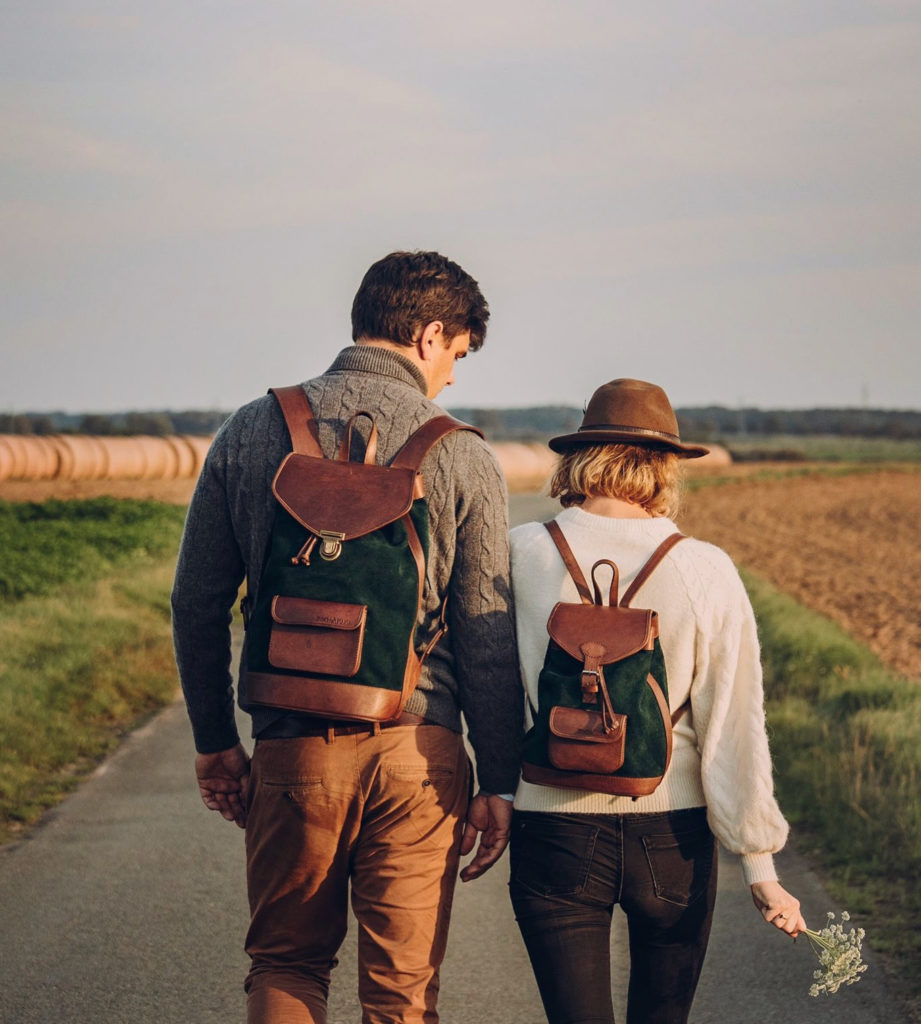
(720, 755)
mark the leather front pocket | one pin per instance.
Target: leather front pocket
(578, 741)
(311, 636)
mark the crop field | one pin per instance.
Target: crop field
(844, 545)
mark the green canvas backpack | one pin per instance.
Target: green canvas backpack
(602, 721)
(333, 630)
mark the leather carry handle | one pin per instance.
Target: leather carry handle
(615, 579)
(345, 448)
(585, 595)
(305, 438)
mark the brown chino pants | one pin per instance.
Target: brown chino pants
(384, 812)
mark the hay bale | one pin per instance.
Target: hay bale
(717, 458)
(527, 467)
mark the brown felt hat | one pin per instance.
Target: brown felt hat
(625, 411)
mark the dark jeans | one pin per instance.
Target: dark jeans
(568, 871)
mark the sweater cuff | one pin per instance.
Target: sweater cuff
(758, 867)
(209, 740)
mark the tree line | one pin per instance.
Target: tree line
(537, 423)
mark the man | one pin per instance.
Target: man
(385, 810)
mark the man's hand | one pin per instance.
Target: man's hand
(223, 780)
(491, 816)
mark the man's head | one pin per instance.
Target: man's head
(404, 292)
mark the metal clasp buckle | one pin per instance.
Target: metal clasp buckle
(592, 684)
(331, 548)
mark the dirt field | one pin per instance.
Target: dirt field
(846, 546)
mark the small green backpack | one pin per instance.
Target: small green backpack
(602, 721)
(333, 630)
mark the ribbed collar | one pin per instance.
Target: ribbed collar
(381, 361)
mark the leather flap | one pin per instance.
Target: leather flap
(585, 725)
(303, 611)
(349, 498)
(621, 631)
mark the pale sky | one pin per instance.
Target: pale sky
(721, 197)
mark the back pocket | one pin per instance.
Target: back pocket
(680, 863)
(551, 854)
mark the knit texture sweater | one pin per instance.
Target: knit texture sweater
(720, 756)
(472, 669)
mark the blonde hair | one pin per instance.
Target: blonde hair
(648, 477)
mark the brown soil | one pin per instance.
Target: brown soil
(846, 546)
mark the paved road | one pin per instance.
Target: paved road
(127, 906)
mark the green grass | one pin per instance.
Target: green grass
(85, 645)
(846, 742)
(52, 543)
(824, 448)
(692, 482)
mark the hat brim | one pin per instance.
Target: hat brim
(644, 439)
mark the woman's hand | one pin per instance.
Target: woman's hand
(778, 907)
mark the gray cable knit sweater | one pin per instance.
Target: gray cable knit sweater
(472, 670)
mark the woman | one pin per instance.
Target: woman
(575, 853)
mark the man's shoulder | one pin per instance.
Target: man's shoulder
(470, 454)
(259, 409)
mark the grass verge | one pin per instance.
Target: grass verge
(80, 666)
(846, 742)
(825, 448)
(777, 471)
(51, 543)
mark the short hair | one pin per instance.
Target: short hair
(404, 291)
(646, 476)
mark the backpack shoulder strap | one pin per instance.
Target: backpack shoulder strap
(418, 444)
(660, 552)
(569, 560)
(299, 419)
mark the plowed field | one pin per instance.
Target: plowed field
(847, 546)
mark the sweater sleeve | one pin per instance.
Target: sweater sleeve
(727, 703)
(481, 616)
(209, 572)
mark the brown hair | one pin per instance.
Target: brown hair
(404, 291)
(648, 477)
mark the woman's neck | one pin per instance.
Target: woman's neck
(614, 508)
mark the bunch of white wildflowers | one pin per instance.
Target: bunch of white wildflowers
(840, 959)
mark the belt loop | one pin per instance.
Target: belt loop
(375, 728)
(330, 733)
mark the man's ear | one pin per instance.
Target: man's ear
(430, 339)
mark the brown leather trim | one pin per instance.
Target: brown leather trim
(678, 714)
(417, 445)
(413, 661)
(299, 419)
(660, 552)
(569, 560)
(615, 785)
(324, 697)
(653, 685)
